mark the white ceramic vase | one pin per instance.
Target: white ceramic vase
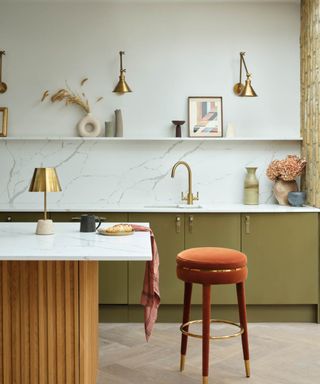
(89, 126)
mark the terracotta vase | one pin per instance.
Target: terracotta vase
(282, 188)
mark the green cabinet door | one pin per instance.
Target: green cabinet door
(113, 275)
(16, 217)
(169, 234)
(282, 250)
(213, 230)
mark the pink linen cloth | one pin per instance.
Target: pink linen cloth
(150, 296)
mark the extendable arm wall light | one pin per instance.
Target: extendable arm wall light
(122, 86)
(240, 89)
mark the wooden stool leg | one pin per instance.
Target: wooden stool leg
(186, 317)
(243, 322)
(206, 315)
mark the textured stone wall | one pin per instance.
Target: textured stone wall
(310, 96)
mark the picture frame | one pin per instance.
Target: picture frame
(3, 121)
(205, 116)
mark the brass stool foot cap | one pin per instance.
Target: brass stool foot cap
(205, 380)
(247, 366)
(182, 361)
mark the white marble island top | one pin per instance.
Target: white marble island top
(159, 207)
(19, 242)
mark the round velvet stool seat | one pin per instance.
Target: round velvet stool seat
(210, 266)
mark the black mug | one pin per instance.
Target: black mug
(88, 223)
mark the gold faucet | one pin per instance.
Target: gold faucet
(190, 198)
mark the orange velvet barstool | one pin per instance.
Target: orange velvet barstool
(209, 266)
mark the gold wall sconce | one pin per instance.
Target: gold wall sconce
(45, 180)
(245, 90)
(122, 86)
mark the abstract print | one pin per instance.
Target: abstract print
(205, 116)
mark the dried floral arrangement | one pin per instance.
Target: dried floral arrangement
(287, 169)
(70, 97)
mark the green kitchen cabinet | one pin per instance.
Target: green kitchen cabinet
(21, 217)
(282, 251)
(113, 275)
(213, 230)
(168, 229)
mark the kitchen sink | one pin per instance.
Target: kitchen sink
(174, 206)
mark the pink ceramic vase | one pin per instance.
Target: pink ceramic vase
(281, 189)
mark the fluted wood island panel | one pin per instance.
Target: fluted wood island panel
(48, 322)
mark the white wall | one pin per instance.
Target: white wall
(173, 51)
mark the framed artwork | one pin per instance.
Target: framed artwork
(205, 116)
(3, 121)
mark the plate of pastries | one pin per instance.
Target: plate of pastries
(117, 230)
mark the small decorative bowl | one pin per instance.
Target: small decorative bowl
(296, 199)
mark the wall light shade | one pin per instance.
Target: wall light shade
(122, 86)
(45, 180)
(245, 90)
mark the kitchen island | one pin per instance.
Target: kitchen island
(49, 300)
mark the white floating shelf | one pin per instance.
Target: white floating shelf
(124, 139)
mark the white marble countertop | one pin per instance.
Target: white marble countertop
(19, 242)
(163, 207)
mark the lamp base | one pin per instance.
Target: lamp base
(45, 227)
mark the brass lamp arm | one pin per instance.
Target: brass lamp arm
(121, 66)
(242, 60)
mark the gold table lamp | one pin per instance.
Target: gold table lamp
(122, 86)
(244, 90)
(45, 180)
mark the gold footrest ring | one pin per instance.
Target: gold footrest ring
(183, 326)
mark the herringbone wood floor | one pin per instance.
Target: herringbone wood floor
(280, 354)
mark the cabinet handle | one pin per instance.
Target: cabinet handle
(190, 223)
(247, 224)
(9, 219)
(178, 224)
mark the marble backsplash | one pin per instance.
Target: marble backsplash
(104, 173)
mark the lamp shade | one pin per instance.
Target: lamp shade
(122, 86)
(247, 90)
(45, 180)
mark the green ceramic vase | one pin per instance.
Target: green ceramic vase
(251, 187)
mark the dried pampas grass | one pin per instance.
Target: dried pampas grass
(70, 97)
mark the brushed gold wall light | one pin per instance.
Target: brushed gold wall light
(122, 86)
(244, 90)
